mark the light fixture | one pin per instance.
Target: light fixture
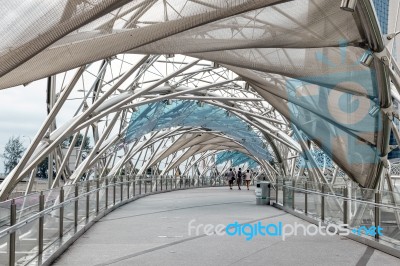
(392, 35)
(46, 136)
(367, 59)
(169, 55)
(200, 103)
(374, 110)
(215, 65)
(348, 5)
(85, 106)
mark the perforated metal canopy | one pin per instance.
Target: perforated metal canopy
(302, 74)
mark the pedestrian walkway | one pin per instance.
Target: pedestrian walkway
(154, 231)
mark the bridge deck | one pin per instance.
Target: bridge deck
(154, 231)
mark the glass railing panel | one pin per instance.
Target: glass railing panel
(69, 215)
(299, 199)
(26, 243)
(81, 203)
(314, 205)
(4, 250)
(5, 214)
(51, 228)
(102, 198)
(92, 198)
(152, 184)
(69, 209)
(51, 197)
(27, 206)
(334, 206)
(287, 193)
(125, 192)
(362, 214)
(110, 195)
(390, 217)
(280, 193)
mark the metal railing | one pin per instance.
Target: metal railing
(33, 228)
(353, 206)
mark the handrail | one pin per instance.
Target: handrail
(318, 213)
(94, 211)
(342, 197)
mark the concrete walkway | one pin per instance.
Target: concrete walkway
(154, 231)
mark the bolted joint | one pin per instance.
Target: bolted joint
(367, 59)
(348, 5)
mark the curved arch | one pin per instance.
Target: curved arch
(282, 68)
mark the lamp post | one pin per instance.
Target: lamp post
(30, 140)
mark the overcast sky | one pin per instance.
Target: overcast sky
(22, 111)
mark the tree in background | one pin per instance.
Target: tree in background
(12, 153)
(44, 165)
(42, 168)
(67, 142)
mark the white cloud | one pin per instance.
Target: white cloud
(22, 111)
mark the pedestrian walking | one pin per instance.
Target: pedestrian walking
(230, 177)
(239, 178)
(248, 178)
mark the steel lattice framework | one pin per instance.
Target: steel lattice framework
(262, 61)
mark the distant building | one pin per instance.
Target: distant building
(73, 157)
(382, 10)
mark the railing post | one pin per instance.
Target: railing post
(13, 220)
(322, 202)
(140, 186)
(61, 218)
(97, 195)
(156, 183)
(293, 193)
(121, 179)
(377, 213)
(114, 185)
(145, 185)
(134, 186)
(87, 199)
(283, 193)
(166, 183)
(106, 193)
(277, 190)
(305, 198)
(345, 205)
(76, 206)
(128, 185)
(161, 186)
(41, 223)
